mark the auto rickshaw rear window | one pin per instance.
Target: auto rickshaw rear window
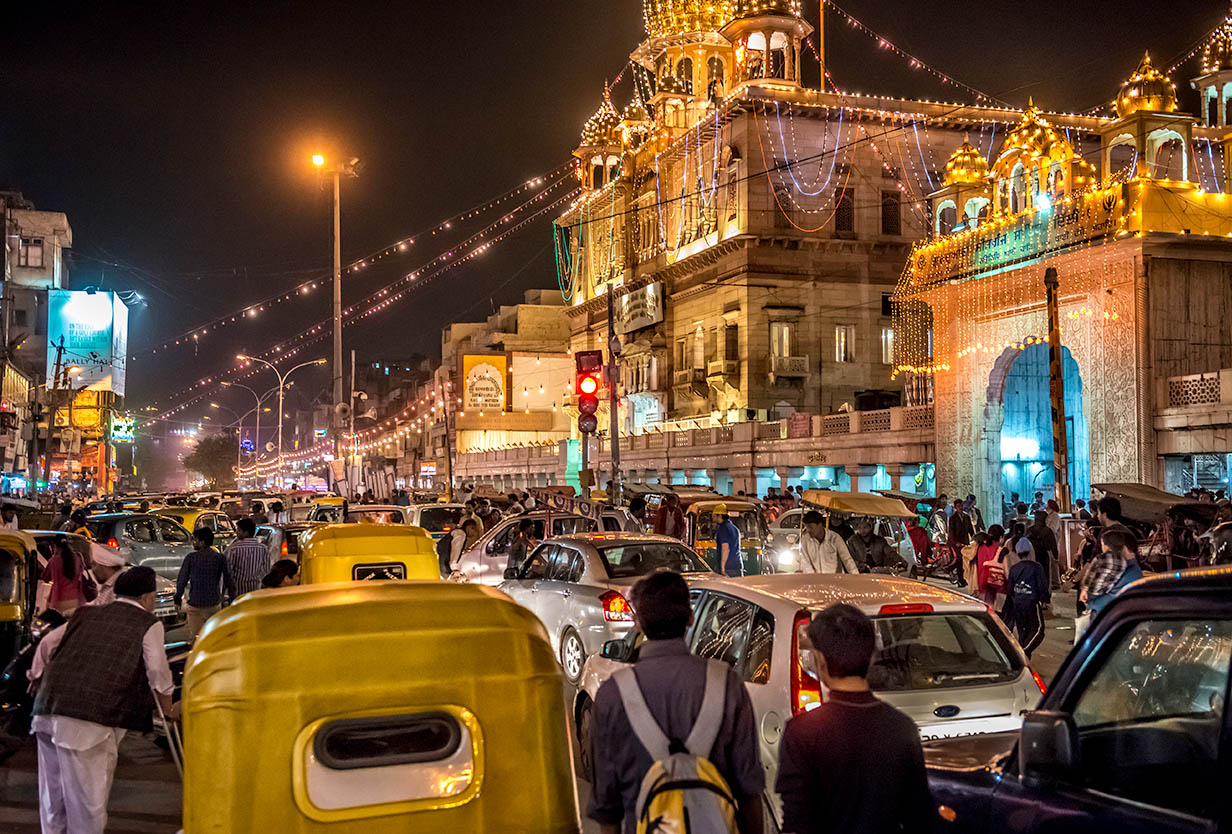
(9, 591)
(351, 743)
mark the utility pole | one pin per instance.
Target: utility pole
(337, 311)
(1056, 388)
(448, 446)
(613, 398)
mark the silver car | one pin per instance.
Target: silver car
(151, 540)
(942, 657)
(578, 586)
(486, 561)
(784, 539)
(379, 513)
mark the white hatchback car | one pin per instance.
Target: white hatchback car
(941, 656)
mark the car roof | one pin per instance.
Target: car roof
(868, 592)
(1194, 580)
(434, 505)
(614, 539)
(373, 508)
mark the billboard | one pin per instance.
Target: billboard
(483, 381)
(123, 429)
(89, 330)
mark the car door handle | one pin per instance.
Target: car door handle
(566, 593)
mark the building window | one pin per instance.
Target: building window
(682, 354)
(891, 213)
(844, 210)
(699, 348)
(731, 342)
(780, 338)
(684, 71)
(887, 305)
(887, 346)
(712, 344)
(19, 318)
(31, 252)
(845, 343)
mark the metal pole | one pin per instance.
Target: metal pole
(613, 377)
(356, 471)
(585, 464)
(448, 451)
(1056, 387)
(337, 312)
(281, 380)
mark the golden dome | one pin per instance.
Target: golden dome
(1034, 135)
(677, 17)
(1146, 89)
(967, 166)
(635, 111)
(1218, 52)
(753, 8)
(602, 128)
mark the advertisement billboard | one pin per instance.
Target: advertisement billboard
(123, 429)
(484, 382)
(87, 329)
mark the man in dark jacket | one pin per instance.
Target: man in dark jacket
(870, 551)
(1044, 541)
(97, 678)
(1029, 593)
(854, 764)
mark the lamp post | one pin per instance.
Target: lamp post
(61, 376)
(258, 399)
(337, 170)
(239, 439)
(282, 384)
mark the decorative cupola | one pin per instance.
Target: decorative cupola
(636, 125)
(767, 35)
(1215, 83)
(599, 150)
(1037, 167)
(1149, 123)
(964, 200)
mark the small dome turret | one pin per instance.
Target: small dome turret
(602, 129)
(665, 18)
(966, 166)
(1147, 89)
(1217, 55)
(753, 8)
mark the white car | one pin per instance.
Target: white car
(784, 539)
(378, 513)
(486, 561)
(942, 657)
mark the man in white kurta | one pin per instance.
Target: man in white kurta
(822, 550)
(95, 677)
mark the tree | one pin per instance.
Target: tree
(213, 459)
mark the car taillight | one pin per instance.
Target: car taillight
(907, 608)
(616, 608)
(805, 689)
(1043, 687)
(284, 550)
(113, 544)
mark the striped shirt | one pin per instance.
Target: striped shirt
(204, 573)
(248, 561)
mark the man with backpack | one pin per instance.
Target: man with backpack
(675, 744)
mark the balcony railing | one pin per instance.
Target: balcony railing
(722, 367)
(688, 376)
(789, 366)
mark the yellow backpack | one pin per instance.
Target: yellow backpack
(683, 792)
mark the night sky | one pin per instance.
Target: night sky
(176, 136)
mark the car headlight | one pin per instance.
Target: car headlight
(787, 556)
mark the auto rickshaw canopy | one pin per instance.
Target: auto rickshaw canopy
(376, 707)
(857, 503)
(340, 552)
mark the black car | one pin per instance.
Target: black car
(1132, 737)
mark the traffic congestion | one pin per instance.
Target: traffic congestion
(389, 716)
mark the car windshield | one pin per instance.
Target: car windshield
(747, 522)
(179, 519)
(376, 516)
(641, 559)
(439, 519)
(940, 651)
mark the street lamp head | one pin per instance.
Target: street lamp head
(73, 369)
(224, 383)
(213, 405)
(322, 361)
(318, 160)
(241, 356)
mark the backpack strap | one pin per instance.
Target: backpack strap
(706, 728)
(644, 726)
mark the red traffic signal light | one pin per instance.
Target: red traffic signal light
(589, 365)
(588, 384)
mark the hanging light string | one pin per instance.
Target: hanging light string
(194, 335)
(378, 301)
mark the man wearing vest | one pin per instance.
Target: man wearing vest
(673, 708)
(104, 670)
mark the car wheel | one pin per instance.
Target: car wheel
(586, 750)
(572, 655)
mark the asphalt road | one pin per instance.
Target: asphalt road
(146, 797)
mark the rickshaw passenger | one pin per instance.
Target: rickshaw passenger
(870, 551)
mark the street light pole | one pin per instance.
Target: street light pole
(282, 382)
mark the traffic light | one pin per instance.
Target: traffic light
(589, 368)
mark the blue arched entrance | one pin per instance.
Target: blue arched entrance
(1026, 432)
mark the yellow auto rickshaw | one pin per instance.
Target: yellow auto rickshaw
(341, 552)
(385, 707)
(701, 522)
(19, 576)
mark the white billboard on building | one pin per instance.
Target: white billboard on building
(87, 330)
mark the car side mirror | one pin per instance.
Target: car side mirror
(617, 650)
(491, 548)
(511, 573)
(1048, 747)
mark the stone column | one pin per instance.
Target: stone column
(765, 61)
(862, 476)
(902, 475)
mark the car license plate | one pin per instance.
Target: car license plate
(970, 727)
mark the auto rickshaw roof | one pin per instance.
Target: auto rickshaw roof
(1148, 504)
(857, 503)
(326, 539)
(732, 504)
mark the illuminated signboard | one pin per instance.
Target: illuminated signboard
(484, 383)
(427, 470)
(87, 330)
(123, 429)
(319, 433)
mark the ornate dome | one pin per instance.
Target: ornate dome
(635, 111)
(752, 8)
(1035, 135)
(1146, 89)
(1218, 52)
(677, 17)
(602, 128)
(967, 166)
(671, 83)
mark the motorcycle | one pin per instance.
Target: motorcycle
(16, 699)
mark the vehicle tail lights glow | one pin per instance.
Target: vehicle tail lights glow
(113, 544)
(805, 688)
(1043, 687)
(907, 608)
(616, 608)
(284, 550)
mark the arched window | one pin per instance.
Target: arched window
(1018, 189)
(714, 69)
(754, 56)
(947, 219)
(778, 55)
(1212, 107)
(684, 71)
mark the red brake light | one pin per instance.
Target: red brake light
(1043, 687)
(284, 550)
(907, 608)
(616, 608)
(805, 689)
(113, 544)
